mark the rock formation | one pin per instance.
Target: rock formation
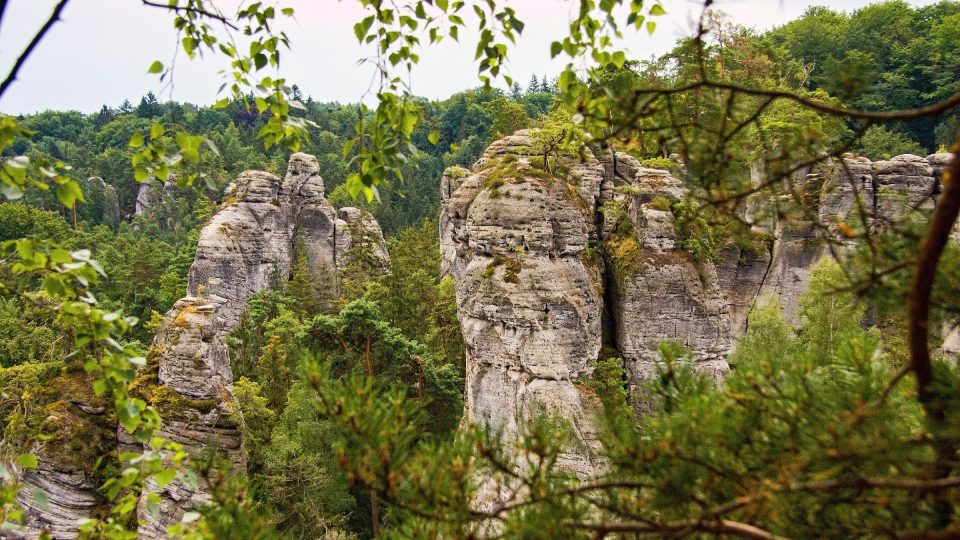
(523, 246)
(528, 293)
(151, 194)
(849, 192)
(358, 234)
(248, 246)
(660, 292)
(192, 392)
(548, 265)
(77, 431)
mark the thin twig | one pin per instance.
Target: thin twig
(196, 10)
(54, 17)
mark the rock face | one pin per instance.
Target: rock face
(741, 274)
(851, 191)
(528, 295)
(78, 430)
(536, 302)
(523, 247)
(357, 228)
(151, 194)
(193, 395)
(659, 291)
(248, 246)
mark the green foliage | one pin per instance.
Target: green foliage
(809, 441)
(696, 234)
(830, 316)
(301, 483)
(666, 164)
(881, 143)
(765, 326)
(803, 439)
(257, 419)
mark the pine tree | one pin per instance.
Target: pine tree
(516, 92)
(149, 107)
(105, 115)
(534, 86)
(302, 287)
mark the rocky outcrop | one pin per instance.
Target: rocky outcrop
(524, 246)
(837, 196)
(248, 246)
(78, 430)
(741, 272)
(358, 236)
(251, 243)
(529, 298)
(192, 392)
(660, 292)
(151, 194)
(521, 243)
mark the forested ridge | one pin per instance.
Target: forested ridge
(351, 378)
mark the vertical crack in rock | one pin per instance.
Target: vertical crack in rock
(661, 292)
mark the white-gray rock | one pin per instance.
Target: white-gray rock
(514, 238)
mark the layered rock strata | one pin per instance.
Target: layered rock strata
(248, 246)
(529, 298)
(523, 246)
(851, 192)
(192, 392)
(63, 489)
(535, 300)
(660, 292)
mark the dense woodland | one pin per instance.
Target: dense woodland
(298, 341)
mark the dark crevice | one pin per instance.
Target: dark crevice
(763, 281)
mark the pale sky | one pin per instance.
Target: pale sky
(100, 52)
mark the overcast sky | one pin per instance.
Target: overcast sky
(100, 52)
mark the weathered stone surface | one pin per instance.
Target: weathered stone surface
(938, 164)
(151, 194)
(70, 497)
(660, 292)
(847, 192)
(741, 274)
(357, 228)
(77, 431)
(529, 304)
(842, 195)
(248, 246)
(250, 243)
(795, 252)
(193, 395)
(902, 184)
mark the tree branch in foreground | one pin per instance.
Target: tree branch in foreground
(54, 17)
